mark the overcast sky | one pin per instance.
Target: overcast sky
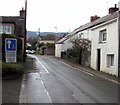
(64, 14)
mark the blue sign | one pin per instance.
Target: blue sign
(10, 44)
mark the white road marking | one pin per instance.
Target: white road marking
(46, 92)
(40, 63)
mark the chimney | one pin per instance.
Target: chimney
(113, 9)
(93, 18)
(22, 13)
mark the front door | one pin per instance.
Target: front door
(98, 59)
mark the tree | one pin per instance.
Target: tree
(80, 46)
(33, 42)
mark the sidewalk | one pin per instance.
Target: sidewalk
(91, 71)
(11, 88)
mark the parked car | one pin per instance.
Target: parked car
(30, 51)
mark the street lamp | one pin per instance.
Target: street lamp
(38, 41)
(56, 34)
(39, 33)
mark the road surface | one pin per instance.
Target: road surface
(57, 82)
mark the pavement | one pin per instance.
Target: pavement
(11, 91)
(11, 88)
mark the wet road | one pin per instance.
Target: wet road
(57, 82)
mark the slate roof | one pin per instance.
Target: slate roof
(90, 25)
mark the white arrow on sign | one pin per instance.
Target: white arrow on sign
(9, 43)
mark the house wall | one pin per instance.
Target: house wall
(58, 50)
(110, 47)
(64, 46)
(85, 34)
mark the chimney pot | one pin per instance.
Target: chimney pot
(113, 9)
(115, 5)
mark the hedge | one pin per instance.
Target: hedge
(12, 70)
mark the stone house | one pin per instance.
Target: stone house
(14, 25)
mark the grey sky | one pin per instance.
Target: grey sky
(64, 14)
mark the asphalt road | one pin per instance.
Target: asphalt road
(56, 82)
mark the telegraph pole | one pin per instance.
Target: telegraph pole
(119, 40)
(25, 31)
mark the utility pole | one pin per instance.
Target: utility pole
(25, 31)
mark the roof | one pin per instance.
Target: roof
(97, 22)
(89, 25)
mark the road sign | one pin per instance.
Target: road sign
(10, 44)
(10, 50)
(11, 56)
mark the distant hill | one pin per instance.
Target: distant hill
(33, 34)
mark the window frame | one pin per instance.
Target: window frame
(110, 60)
(103, 36)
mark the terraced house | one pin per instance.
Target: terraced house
(104, 36)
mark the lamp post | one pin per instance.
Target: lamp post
(56, 35)
(39, 33)
(38, 42)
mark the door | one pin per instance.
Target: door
(98, 59)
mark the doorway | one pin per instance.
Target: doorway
(98, 59)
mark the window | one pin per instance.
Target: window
(6, 29)
(103, 36)
(110, 60)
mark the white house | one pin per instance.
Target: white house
(65, 43)
(83, 31)
(103, 33)
(104, 53)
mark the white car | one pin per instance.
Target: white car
(30, 51)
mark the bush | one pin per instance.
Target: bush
(12, 70)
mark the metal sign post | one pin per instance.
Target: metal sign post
(10, 50)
